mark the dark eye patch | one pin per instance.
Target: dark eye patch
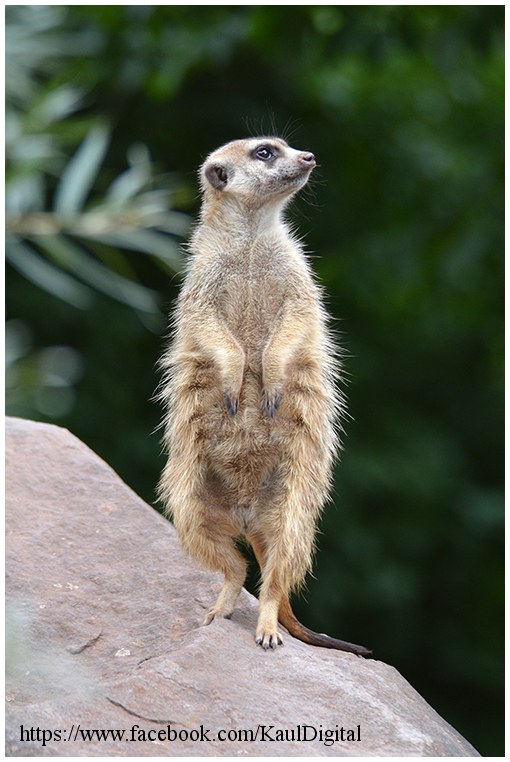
(265, 152)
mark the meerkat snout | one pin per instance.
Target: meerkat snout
(308, 159)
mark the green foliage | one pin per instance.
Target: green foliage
(132, 213)
(65, 229)
(403, 106)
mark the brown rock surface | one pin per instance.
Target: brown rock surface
(103, 614)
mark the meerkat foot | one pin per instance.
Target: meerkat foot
(226, 601)
(266, 634)
(269, 640)
(212, 614)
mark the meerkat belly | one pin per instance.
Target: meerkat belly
(243, 480)
(240, 444)
(245, 450)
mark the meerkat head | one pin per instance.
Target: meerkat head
(256, 171)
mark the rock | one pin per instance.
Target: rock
(105, 652)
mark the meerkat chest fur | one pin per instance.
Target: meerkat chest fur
(249, 384)
(249, 278)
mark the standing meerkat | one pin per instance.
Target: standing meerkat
(249, 387)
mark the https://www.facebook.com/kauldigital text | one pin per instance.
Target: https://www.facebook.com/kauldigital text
(271, 734)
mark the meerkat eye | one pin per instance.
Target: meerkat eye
(263, 153)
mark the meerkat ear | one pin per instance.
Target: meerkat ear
(217, 176)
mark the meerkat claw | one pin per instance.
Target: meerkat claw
(232, 404)
(272, 407)
(208, 619)
(269, 641)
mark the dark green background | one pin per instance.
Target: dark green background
(403, 108)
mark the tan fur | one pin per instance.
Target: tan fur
(249, 386)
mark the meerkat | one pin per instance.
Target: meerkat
(249, 387)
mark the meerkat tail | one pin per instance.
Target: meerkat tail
(287, 617)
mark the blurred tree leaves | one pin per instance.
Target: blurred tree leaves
(61, 220)
(133, 211)
(403, 106)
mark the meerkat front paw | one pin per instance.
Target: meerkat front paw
(272, 401)
(232, 402)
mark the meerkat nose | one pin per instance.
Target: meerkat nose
(307, 158)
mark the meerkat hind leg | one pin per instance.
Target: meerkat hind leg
(223, 556)
(208, 537)
(266, 634)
